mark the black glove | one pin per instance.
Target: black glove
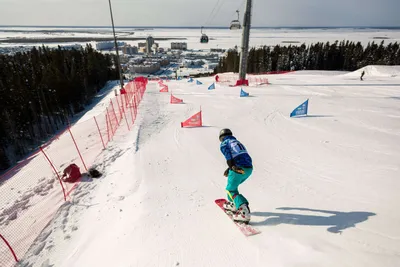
(226, 172)
(237, 170)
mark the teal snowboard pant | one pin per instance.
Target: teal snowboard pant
(234, 180)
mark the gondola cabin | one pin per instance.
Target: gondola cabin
(204, 37)
(235, 24)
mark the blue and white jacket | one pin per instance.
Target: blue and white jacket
(235, 153)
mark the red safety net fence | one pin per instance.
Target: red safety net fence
(231, 78)
(32, 191)
(253, 79)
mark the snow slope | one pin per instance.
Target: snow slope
(377, 71)
(23, 189)
(324, 191)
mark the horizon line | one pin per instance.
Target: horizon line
(189, 27)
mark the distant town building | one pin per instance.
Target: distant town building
(179, 46)
(129, 50)
(163, 61)
(219, 50)
(123, 59)
(210, 66)
(136, 61)
(145, 68)
(11, 50)
(149, 44)
(108, 45)
(193, 63)
(72, 46)
(154, 47)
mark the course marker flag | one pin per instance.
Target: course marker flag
(243, 93)
(300, 110)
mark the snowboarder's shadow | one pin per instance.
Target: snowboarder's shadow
(336, 222)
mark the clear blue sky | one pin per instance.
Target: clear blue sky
(199, 12)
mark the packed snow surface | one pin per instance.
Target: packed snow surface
(324, 191)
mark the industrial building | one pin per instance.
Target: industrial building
(108, 45)
(129, 50)
(179, 46)
(145, 68)
(149, 44)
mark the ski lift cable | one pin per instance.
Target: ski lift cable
(209, 17)
(215, 11)
(217, 8)
(239, 8)
(241, 5)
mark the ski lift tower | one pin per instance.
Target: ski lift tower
(118, 64)
(245, 45)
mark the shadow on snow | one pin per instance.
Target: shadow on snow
(312, 116)
(336, 222)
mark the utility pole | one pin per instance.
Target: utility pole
(116, 49)
(245, 43)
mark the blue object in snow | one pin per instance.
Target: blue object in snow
(243, 93)
(300, 110)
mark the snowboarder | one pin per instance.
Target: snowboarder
(362, 75)
(240, 167)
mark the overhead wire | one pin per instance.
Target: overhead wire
(242, 4)
(240, 7)
(211, 14)
(215, 11)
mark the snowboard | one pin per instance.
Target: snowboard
(246, 229)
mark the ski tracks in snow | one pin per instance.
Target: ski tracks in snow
(158, 196)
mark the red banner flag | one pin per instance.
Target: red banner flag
(242, 82)
(194, 121)
(164, 89)
(175, 100)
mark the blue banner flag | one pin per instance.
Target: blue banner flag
(198, 82)
(190, 80)
(243, 93)
(211, 87)
(300, 110)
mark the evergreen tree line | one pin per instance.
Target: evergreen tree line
(41, 89)
(344, 56)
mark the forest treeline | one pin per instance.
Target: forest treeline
(341, 56)
(41, 89)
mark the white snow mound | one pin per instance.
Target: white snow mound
(377, 71)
